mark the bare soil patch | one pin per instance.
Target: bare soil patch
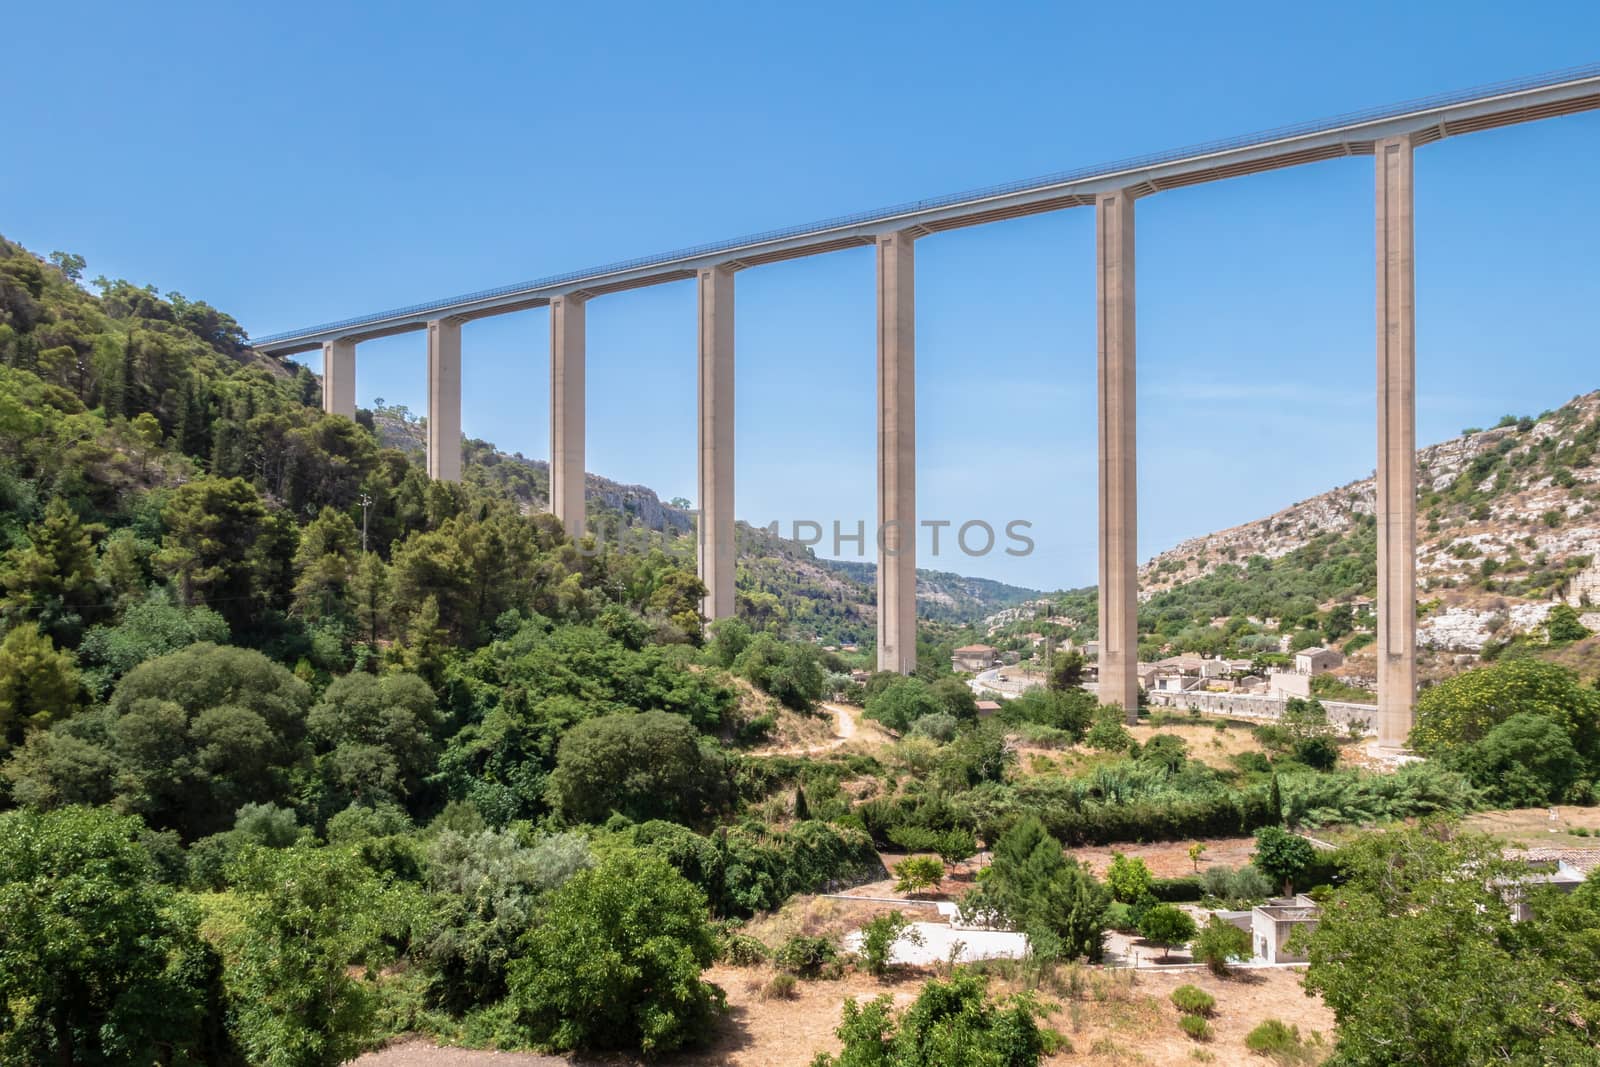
(1170, 859)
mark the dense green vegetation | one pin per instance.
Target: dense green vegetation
(299, 748)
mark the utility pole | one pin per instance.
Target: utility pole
(366, 502)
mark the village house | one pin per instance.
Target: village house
(1317, 660)
(988, 708)
(972, 658)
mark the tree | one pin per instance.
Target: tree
(615, 958)
(1196, 850)
(51, 579)
(1463, 709)
(149, 629)
(147, 431)
(902, 702)
(1128, 879)
(646, 766)
(789, 671)
(956, 699)
(201, 732)
(377, 736)
(1066, 672)
(99, 962)
(1281, 855)
(918, 873)
(70, 264)
(1219, 944)
(325, 566)
(309, 913)
(209, 549)
(38, 685)
(1411, 955)
(1165, 750)
(951, 1022)
(1034, 886)
(1167, 925)
(1525, 761)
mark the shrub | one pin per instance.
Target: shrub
(615, 959)
(1196, 1027)
(806, 956)
(1183, 890)
(1108, 734)
(310, 913)
(1220, 943)
(1128, 878)
(918, 873)
(1275, 1039)
(742, 950)
(879, 937)
(780, 986)
(1192, 1000)
(951, 1022)
(98, 962)
(1118, 916)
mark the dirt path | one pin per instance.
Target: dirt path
(844, 722)
(846, 728)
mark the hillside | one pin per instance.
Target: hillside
(778, 579)
(1507, 527)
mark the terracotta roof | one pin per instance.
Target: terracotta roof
(975, 648)
(1584, 859)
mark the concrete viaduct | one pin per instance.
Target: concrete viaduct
(1390, 135)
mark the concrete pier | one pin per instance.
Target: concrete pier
(897, 454)
(1119, 563)
(339, 378)
(444, 399)
(1397, 442)
(716, 557)
(566, 412)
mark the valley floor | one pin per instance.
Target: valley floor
(1110, 1017)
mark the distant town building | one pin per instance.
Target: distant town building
(1317, 660)
(972, 658)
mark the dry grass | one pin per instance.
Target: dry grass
(1531, 827)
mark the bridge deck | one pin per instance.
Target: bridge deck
(1432, 118)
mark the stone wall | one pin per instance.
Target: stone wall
(1265, 708)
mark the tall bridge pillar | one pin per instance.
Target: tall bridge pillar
(566, 412)
(1119, 575)
(444, 399)
(339, 378)
(897, 454)
(717, 554)
(1397, 442)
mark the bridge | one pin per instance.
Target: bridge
(1390, 135)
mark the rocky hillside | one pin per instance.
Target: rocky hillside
(1507, 526)
(778, 577)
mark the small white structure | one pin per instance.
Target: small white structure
(1272, 925)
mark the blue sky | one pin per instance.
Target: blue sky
(294, 163)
